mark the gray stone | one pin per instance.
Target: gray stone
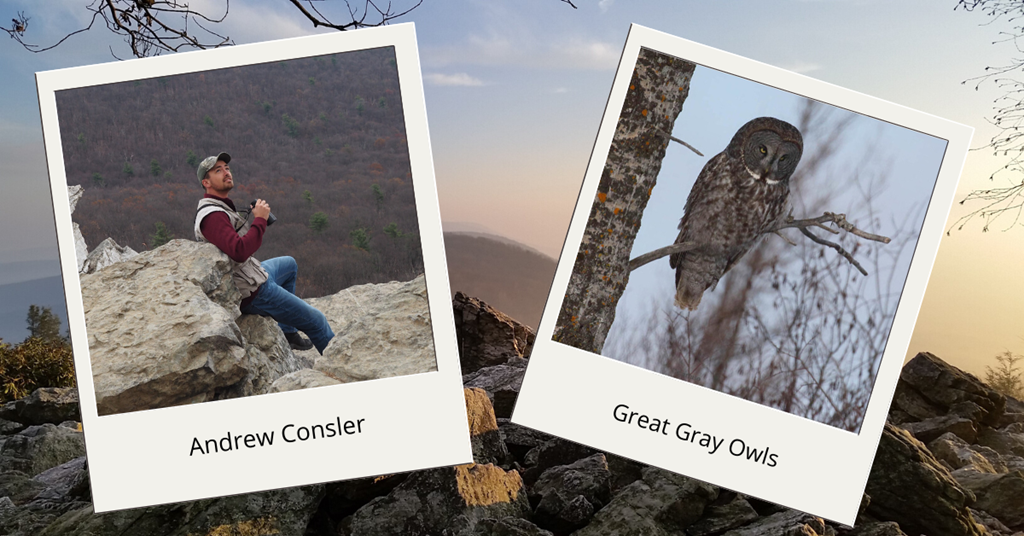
(486, 336)
(38, 448)
(502, 383)
(785, 523)
(934, 427)
(909, 486)
(162, 328)
(946, 386)
(999, 495)
(885, 528)
(506, 526)
(719, 518)
(1005, 443)
(267, 355)
(956, 453)
(44, 405)
(660, 504)
(381, 330)
(302, 379)
(447, 500)
(568, 495)
(106, 253)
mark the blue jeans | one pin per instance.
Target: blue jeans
(276, 298)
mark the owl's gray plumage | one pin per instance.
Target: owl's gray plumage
(740, 193)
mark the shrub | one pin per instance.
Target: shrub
(192, 159)
(33, 364)
(318, 222)
(209, 121)
(360, 238)
(128, 169)
(98, 180)
(154, 168)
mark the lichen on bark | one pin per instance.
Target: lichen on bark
(657, 89)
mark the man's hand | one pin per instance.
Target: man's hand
(261, 210)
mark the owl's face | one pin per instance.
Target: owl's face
(769, 158)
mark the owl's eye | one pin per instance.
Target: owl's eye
(764, 150)
(781, 158)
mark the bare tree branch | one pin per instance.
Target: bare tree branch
(838, 220)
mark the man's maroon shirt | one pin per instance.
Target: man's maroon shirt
(217, 229)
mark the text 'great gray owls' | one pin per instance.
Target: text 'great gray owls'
(741, 193)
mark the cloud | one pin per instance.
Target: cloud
(457, 79)
(560, 90)
(527, 51)
(604, 5)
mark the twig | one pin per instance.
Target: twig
(677, 140)
(838, 220)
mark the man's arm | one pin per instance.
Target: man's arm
(216, 227)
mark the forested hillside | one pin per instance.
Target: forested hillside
(321, 139)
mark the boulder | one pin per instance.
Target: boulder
(520, 440)
(1005, 443)
(52, 405)
(162, 328)
(884, 528)
(660, 504)
(105, 254)
(931, 428)
(999, 495)
(551, 453)
(719, 518)
(484, 435)
(567, 496)
(909, 486)
(449, 500)
(506, 526)
(381, 330)
(945, 386)
(302, 379)
(502, 383)
(284, 511)
(81, 248)
(268, 356)
(786, 523)
(486, 336)
(955, 453)
(38, 448)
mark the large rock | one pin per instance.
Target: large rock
(267, 355)
(381, 330)
(302, 379)
(567, 496)
(52, 405)
(105, 254)
(449, 500)
(162, 328)
(502, 383)
(999, 495)
(660, 504)
(943, 386)
(484, 436)
(278, 512)
(909, 486)
(81, 248)
(486, 336)
(38, 448)
(787, 523)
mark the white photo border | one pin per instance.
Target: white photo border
(142, 458)
(573, 393)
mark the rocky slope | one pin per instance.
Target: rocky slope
(948, 464)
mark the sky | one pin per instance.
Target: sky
(515, 91)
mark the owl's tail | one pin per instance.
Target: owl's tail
(695, 273)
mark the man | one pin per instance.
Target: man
(267, 288)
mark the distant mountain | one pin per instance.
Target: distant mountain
(506, 274)
(21, 271)
(15, 299)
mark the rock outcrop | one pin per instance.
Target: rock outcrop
(105, 254)
(967, 480)
(81, 248)
(381, 330)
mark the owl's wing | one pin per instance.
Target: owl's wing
(695, 201)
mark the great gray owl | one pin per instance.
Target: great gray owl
(740, 193)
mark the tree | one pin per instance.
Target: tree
(152, 27)
(128, 170)
(161, 237)
(659, 85)
(154, 168)
(318, 222)
(391, 230)
(1006, 376)
(33, 364)
(378, 196)
(1005, 202)
(308, 197)
(191, 159)
(291, 126)
(43, 324)
(360, 238)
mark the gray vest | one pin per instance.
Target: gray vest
(248, 274)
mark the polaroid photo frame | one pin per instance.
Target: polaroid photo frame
(246, 437)
(782, 370)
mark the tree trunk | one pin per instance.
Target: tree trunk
(657, 89)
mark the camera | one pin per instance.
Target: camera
(270, 219)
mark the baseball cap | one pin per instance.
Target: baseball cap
(208, 163)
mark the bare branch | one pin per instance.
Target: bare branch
(677, 140)
(831, 218)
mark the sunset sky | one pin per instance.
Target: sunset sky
(515, 91)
